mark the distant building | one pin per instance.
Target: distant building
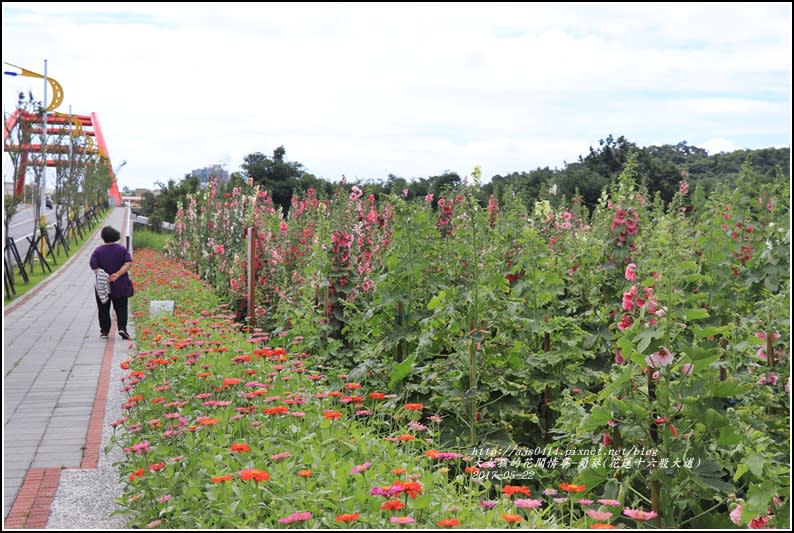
(204, 174)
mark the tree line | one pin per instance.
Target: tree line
(660, 170)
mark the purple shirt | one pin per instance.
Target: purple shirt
(110, 258)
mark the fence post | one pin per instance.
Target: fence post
(129, 231)
(251, 271)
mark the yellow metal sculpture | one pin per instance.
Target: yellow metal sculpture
(57, 90)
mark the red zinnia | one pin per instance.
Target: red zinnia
(413, 406)
(240, 447)
(568, 487)
(347, 517)
(516, 489)
(257, 475)
(392, 505)
(332, 415)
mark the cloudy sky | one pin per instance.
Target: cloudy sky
(368, 90)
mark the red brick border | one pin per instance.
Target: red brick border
(93, 438)
(31, 508)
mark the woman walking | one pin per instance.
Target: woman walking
(111, 262)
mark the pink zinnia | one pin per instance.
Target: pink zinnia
(360, 468)
(638, 514)
(528, 503)
(601, 516)
(401, 520)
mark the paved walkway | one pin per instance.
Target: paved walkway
(55, 378)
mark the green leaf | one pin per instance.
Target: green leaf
(697, 353)
(710, 331)
(401, 370)
(756, 464)
(436, 300)
(758, 500)
(729, 436)
(696, 314)
(646, 336)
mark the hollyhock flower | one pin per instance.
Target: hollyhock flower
(736, 515)
(759, 522)
(659, 359)
(687, 369)
(625, 322)
(628, 298)
(631, 272)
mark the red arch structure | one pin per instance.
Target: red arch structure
(62, 126)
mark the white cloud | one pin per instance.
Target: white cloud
(411, 89)
(718, 145)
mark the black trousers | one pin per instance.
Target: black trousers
(119, 305)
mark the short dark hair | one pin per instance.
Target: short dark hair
(110, 234)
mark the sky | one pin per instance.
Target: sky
(410, 89)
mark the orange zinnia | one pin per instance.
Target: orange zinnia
(412, 488)
(207, 421)
(512, 518)
(568, 487)
(377, 395)
(332, 415)
(347, 517)
(240, 447)
(257, 475)
(406, 437)
(602, 526)
(448, 522)
(516, 489)
(221, 479)
(392, 505)
(305, 473)
(413, 406)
